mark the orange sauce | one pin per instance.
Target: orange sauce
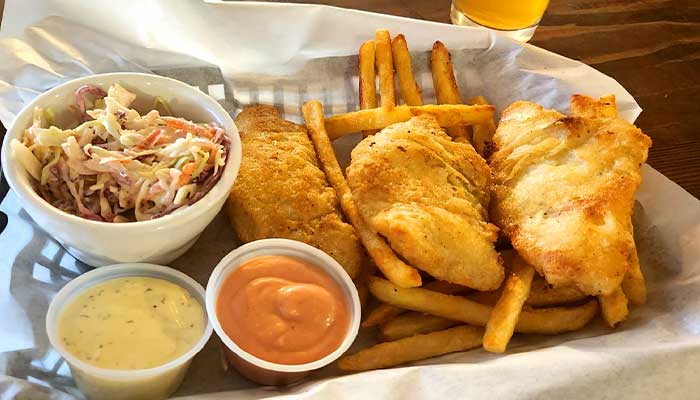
(283, 310)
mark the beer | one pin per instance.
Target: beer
(511, 16)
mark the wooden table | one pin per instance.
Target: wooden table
(652, 47)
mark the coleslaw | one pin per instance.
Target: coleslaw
(117, 165)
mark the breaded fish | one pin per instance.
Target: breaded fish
(428, 196)
(281, 192)
(564, 190)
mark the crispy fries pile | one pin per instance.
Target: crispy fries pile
(380, 58)
(418, 318)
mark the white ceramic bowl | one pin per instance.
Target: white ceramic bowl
(257, 369)
(160, 240)
(101, 383)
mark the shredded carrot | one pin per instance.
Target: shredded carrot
(152, 138)
(187, 171)
(187, 126)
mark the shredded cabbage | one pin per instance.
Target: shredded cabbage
(47, 168)
(119, 165)
(52, 136)
(160, 104)
(26, 158)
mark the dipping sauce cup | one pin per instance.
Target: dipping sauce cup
(101, 383)
(255, 368)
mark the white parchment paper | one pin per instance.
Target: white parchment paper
(245, 52)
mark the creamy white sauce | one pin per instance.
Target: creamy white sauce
(131, 323)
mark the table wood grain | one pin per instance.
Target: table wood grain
(652, 47)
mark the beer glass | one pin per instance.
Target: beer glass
(517, 19)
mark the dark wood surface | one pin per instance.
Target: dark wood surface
(652, 47)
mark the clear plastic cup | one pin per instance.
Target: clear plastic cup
(102, 383)
(257, 369)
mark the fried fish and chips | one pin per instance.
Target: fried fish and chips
(390, 265)
(413, 348)
(298, 203)
(428, 196)
(419, 198)
(564, 190)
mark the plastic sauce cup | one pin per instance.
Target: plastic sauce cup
(257, 369)
(101, 383)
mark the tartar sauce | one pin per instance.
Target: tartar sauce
(131, 323)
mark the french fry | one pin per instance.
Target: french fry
(413, 323)
(447, 115)
(409, 90)
(390, 265)
(633, 284)
(553, 320)
(385, 68)
(362, 292)
(546, 321)
(414, 348)
(368, 79)
(427, 301)
(445, 287)
(368, 269)
(489, 298)
(542, 294)
(613, 306)
(445, 84)
(504, 316)
(446, 90)
(482, 133)
(385, 312)
(381, 314)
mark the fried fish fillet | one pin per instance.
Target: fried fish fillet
(564, 190)
(281, 192)
(428, 196)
